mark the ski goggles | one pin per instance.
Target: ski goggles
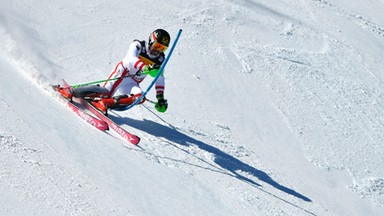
(158, 46)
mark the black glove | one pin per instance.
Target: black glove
(161, 104)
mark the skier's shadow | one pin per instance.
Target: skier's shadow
(222, 159)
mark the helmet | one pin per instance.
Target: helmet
(158, 41)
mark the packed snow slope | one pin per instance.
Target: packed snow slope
(275, 108)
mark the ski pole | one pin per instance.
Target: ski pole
(100, 81)
(150, 101)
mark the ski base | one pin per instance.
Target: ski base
(122, 132)
(97, 123)
(100, 120)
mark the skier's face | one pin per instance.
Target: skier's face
(157, 48)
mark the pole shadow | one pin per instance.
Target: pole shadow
(222, 159)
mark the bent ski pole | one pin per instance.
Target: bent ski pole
(150, 101)
(100, 81)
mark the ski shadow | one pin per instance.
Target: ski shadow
(222, 159)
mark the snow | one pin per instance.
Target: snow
(275, 108)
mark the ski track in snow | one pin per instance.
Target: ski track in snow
(34, 181)
(359, 19)
(342, 103)
(198, 153)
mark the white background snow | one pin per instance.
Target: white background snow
(275, 108)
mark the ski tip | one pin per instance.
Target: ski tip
(135, 140)
(55, 86)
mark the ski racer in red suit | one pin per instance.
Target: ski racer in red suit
(143, 58)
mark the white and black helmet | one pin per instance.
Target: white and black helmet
(160, 36)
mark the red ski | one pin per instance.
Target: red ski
(101, 121)
(97, 123)
(121, 131)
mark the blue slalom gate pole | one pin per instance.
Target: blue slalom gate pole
(159, 73)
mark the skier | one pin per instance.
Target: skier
(123, 85)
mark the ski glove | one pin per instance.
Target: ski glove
(161, 104)
(152, 70)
